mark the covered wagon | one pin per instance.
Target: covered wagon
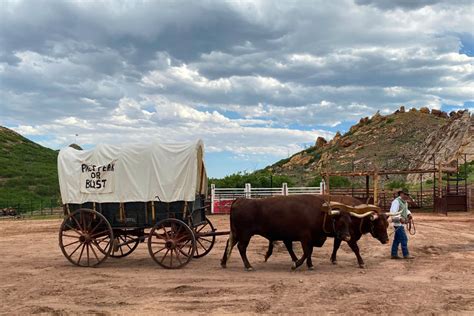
(116, 197)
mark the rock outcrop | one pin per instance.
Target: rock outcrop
(402, 140)
(452, 141)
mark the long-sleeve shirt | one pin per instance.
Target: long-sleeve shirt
(395, 208)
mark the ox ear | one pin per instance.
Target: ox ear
(374, 216)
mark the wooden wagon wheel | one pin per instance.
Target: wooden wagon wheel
(84, 238)
(204, 238)
(124, 244)
(171, 243)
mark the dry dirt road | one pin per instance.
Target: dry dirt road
(36, 278)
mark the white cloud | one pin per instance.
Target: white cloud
(254, 78)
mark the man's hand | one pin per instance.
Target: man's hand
(410, 217)
(402, 220)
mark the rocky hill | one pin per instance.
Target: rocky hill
(27, 170)
(402, 140)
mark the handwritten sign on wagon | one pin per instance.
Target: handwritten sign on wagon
(97, 178)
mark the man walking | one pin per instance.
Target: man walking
(400, 205)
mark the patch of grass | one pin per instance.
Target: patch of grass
(28, 170)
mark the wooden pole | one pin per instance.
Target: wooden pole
(434, 179)
(421, 189)
(367, 179)
(440, 180)
(327, 191)
(376, 189)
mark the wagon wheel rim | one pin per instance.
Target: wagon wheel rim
(82, 235)
(171, 243)
(204, 244)
(120, 247)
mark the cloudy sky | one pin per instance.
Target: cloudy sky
(257, 81)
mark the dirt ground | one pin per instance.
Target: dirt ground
(36, 278)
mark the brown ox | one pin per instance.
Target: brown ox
(303, 218)
(374, 223)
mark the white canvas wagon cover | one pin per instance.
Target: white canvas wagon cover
(132, 173)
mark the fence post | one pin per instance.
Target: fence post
(284, 188)
(213, 196)
(248, 190)
(321, 187)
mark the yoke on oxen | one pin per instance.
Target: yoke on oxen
(359, 211)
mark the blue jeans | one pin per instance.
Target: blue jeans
(400, 238)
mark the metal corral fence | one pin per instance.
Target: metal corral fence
(222, 198)
(31, 207)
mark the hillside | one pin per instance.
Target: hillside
(27, 170)
(404, 139)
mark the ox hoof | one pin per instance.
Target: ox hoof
(249, 269)
(311, 268)
(223, 266)
(334, 261)
(362, 266)
(293, 266)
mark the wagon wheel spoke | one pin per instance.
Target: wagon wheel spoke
(159, 250)
(101, 240)
(77, 237)
(96, 226)
(204, 243)
(183, 246)
(99, 233)
(201, 228)
(88, 264)
(184, 237)
(72, 253)
(78, 225)
(159, 242)
(73, 229)
(72, 243)
(205, 239)
(177, 257)
(80, 256)
(125, 240)
(171, 257)
(95, 254)
(162, 259)
(103, 250)
(121, 250)
(167, 236)
(200, 243)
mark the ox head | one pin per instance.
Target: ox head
(378, 224)
(342, 223)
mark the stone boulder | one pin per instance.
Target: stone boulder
(320, 142)
(346, 142)
(425, 110)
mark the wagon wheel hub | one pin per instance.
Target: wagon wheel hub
(85, 238)
(170, 244)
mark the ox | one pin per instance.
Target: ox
(373, 222)
(304, 218)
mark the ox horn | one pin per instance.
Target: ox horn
(361, 215)
(393, 214)
(334, 212)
